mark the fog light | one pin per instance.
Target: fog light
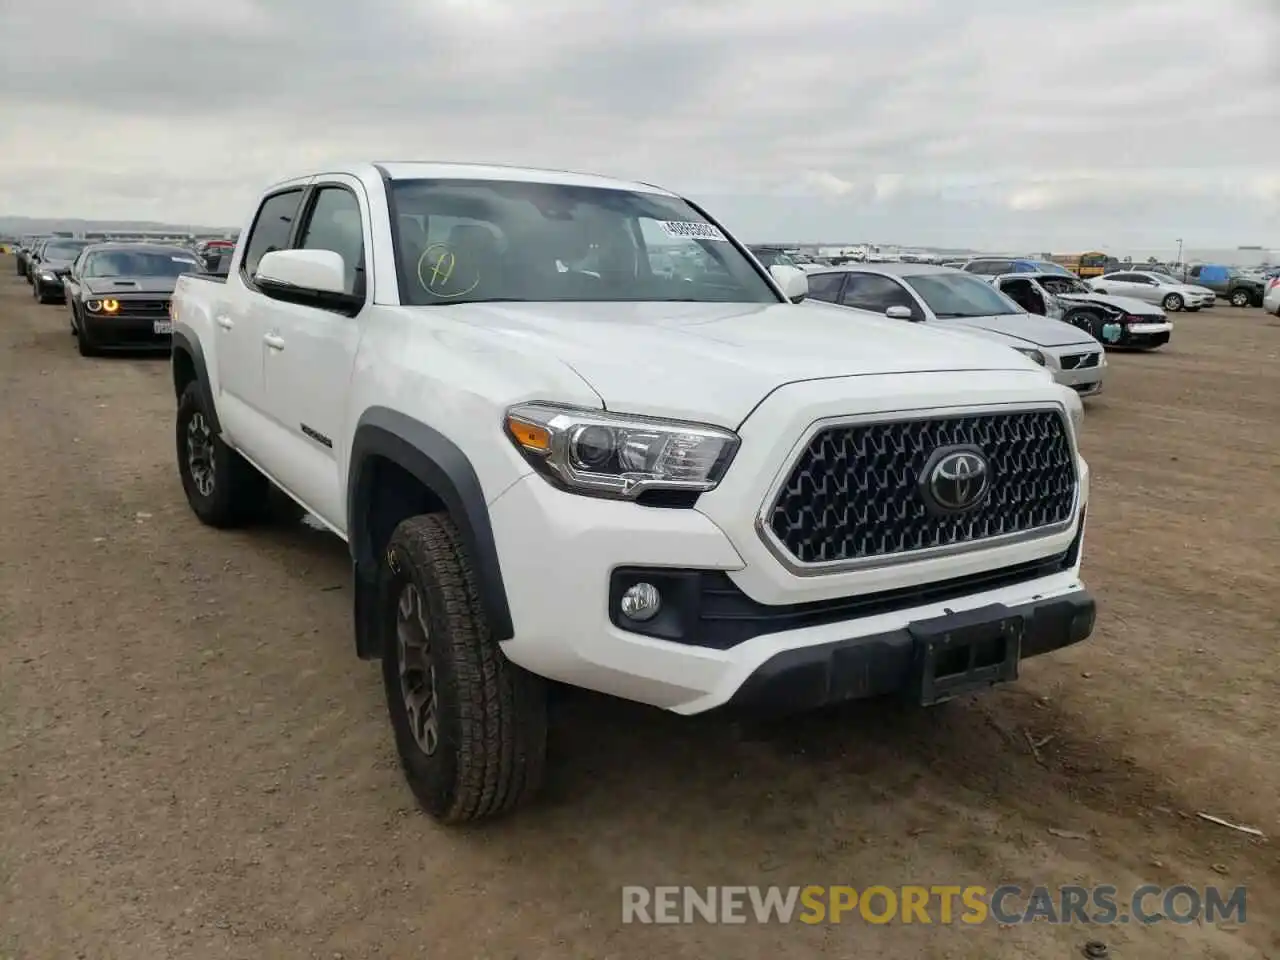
(641, 602)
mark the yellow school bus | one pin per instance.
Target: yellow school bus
(1092, 264)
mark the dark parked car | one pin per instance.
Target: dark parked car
(118, 295)
(214, 251)
(54, 263)
(23, 253)
(1228, 282)
(32, 256)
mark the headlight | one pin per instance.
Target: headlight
(1031, 353)
(611, 455)
(47, 275)
(93, 306)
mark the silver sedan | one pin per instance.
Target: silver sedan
(965, 303)
(1172, 295)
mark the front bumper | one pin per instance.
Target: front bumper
(1086, 381)
(973, 655)
(49, 285)
(565, 558)
(1153, 334)
(126, 333)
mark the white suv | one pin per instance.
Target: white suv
(552, 462)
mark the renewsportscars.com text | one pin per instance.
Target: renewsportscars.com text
(933, 904)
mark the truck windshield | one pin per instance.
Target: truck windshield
(468, 241)
(140, 263)
(960, 295)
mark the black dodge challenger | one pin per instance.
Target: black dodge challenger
(118, 295)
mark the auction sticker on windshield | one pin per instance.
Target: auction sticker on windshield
(692, 230)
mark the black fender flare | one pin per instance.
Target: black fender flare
(443, 469)
(190, 346)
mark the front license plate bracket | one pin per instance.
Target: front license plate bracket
(965, 653)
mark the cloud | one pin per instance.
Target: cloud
(987, 123)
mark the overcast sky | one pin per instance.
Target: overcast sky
(1038, 124)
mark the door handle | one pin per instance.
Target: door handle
(225, 322)
(273, 341)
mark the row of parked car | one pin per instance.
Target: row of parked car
(1038, 308)
(117, 293)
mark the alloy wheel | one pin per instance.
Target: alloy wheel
(200, 453)
(417, 669)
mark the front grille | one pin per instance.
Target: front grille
(854, 491)
(144, 308)
(1082, 360)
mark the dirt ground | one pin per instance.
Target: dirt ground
(193, 763)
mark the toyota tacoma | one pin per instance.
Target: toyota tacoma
(553, 464)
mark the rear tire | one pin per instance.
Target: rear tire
(1241, 298)
(222, 487)
(470, 726)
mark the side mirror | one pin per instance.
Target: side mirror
(320, 271)
(314, 278)
(898, 313)
(793, 281)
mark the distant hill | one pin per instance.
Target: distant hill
(18, 226)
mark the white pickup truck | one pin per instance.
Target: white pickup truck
(553, 462)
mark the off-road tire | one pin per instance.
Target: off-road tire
(240, 494)
(490, 752)
(1174, 303)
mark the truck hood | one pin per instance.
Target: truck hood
(1029, 327)
(1128, 304)
(108, 286)
(714, 362)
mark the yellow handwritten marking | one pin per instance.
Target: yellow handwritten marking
(441, 273)
(442, 269)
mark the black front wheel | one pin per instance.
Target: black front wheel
(470, 726)
(84, 345)
(1087, 320)
(222, 487)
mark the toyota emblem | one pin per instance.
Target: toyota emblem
(956, 479)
